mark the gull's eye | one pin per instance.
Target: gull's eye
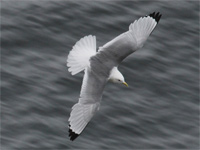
(118, 80)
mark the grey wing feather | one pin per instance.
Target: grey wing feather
(92, 86)
(125, 44)
(89, 102)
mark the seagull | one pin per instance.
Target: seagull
(102, 66)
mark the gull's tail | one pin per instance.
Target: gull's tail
(142, 28)
(78, 58)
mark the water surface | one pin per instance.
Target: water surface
(159, 110)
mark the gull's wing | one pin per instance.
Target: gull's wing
(89, 102)
(128, 42)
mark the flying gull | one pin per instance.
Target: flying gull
(101, 66)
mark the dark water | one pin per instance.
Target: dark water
(159, 110)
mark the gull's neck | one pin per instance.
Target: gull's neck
(113, 72)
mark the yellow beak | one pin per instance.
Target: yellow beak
(125, 84)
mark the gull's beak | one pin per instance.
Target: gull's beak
(125, 84)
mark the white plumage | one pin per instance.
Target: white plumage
(142, 28)
(78, 58)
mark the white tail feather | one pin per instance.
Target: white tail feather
(78, 58)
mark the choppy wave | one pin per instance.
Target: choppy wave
(160, 109)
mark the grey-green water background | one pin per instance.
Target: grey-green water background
(159, 110)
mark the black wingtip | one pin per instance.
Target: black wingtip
(72, 134)
(156, 16)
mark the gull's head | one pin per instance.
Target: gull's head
(117, 77)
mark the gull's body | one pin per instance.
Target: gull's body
(101, 67)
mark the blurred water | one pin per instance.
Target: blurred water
(160, 109)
